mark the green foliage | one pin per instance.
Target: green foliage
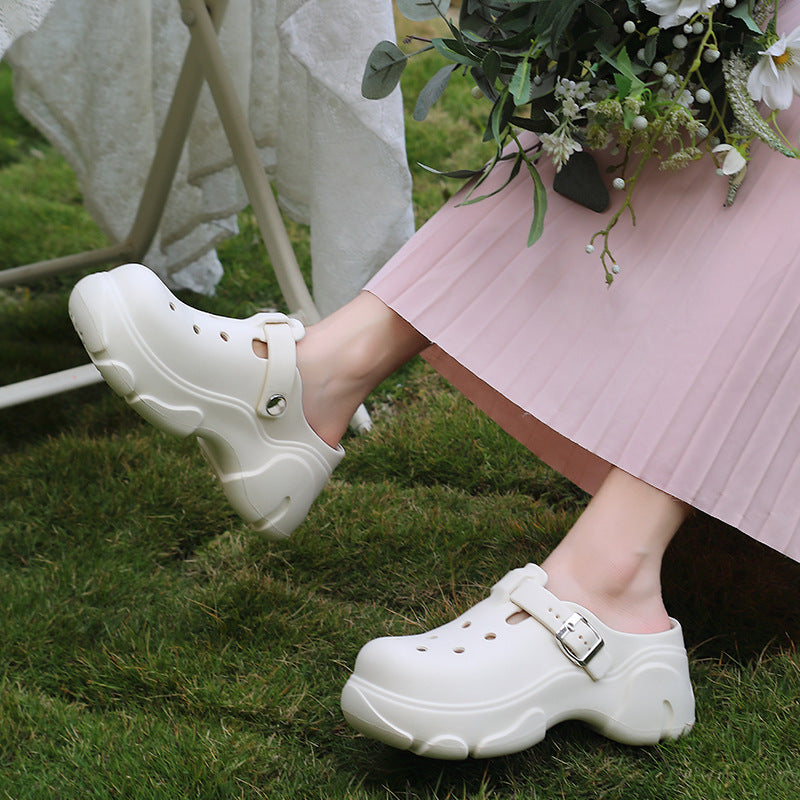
(583, 75)
(17, 137)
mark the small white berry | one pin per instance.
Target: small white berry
(702, 132)
(710, 55)
(639, 123)
(668, 80)
(659, 69)
(729, 3)
(618, 183)
(697, 28)
(687, 28)
(615, 269)
(537, 80)
(679, 42)
(640, 54)
(629, 26)
(476, 92)
(702, 95)
(590, 248)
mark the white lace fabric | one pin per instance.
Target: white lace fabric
(97, 78)
(18, 17)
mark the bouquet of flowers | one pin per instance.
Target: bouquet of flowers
(663, 79)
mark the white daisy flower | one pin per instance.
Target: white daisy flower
(676, 12)
(734, 161)
(776, 76)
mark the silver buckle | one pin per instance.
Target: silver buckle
(570, 626)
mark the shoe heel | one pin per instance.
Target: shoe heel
(274, 499)
(90, 292)
(658, 704)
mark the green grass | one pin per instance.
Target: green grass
(152, 647)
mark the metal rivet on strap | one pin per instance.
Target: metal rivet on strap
(276, 405)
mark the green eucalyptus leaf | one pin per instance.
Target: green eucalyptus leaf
(461, 174)
(650, 47)
(742, 12)
(520, 86)
(422, 10)
(499, 118)
(432, 91)
(539, 205)
(385, 65)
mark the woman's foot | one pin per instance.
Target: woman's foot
(193, 373)
(346, 355)
(610, 560)
(491, 683)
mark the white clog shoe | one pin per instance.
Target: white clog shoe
(482, 686)
(189, 372)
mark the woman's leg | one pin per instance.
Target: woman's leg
(610, 561)
(345, 356)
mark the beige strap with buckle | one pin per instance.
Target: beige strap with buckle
(575, 635)
(281, 334)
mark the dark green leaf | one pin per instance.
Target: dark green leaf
(456, 51)
(491, 65)
(598, 16)
(483, 84)
(511, 175)
(384, 67)
(432, 91)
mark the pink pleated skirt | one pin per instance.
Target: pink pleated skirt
(685, 372)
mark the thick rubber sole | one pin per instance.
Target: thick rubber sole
(648, 705)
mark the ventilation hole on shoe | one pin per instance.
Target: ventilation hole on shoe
(422, 649)
(466, 624)
(196, 328)
(224, 336)
(172, 306)
(458, 649)
(490, 636)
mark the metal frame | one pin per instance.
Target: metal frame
(203, 62)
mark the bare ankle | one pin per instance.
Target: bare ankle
(623, 596)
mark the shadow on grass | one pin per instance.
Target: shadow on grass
(733, 595)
